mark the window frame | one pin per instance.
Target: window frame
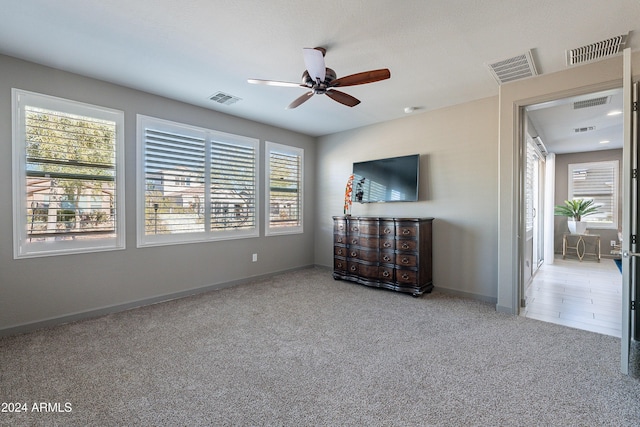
(532, 174)
(22, 248)
(615, 165)
(290, 150)
(210, 136)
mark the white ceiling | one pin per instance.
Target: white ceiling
(599, 127)
(437, 51)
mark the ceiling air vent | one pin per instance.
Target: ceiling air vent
(584, 129)
(224, 98)
(593, 102)
(598, 50)
(516, 68)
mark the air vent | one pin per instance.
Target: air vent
(593, 102)
(224, 98)
(516, 68)
(584, 129)
(598, 50)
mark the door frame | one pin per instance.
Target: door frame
(510, 213)
(628, 351)
(598, 76)
(595, 77)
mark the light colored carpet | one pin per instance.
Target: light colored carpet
(302, 349)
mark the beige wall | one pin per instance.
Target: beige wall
(40, 291)
(458, 182)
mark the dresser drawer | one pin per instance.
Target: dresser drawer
(386, 274)
(340, 251)
(406, 245)
(406, 276)
(363, 270)
(369, 227)
(387, 243)
(363, 254)
(387, 228)
(406, 230)
(363, 228)
(367, 242)
(406, 260)
(340, 226)
(340, 265)
(387, 257)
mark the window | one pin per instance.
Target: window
(597, 181)
(284, 196)
(68, 188)
(194, 184)
(531, 183)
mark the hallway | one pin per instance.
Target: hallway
(584, 295)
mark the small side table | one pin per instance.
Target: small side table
(580, 245)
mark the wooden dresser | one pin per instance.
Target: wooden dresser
(392, 253)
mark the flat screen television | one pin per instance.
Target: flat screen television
(387, 180)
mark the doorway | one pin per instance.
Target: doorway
(566, 142)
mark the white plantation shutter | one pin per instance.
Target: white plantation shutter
(233, 185)
(532, 158)
(197, 184)
(174, 171)
(66, 176)
(284, 175)
(597, 181)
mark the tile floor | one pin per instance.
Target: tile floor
(584, 295)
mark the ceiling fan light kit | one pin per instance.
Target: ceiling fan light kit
(322, 80)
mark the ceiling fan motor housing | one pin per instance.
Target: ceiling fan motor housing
(319, 88)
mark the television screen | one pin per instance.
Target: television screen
(387, 180)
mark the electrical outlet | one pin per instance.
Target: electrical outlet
(254, 258)
(613, 243)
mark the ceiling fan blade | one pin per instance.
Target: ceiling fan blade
(362, 78)
(314, 62)
(274, 83)
(300, 100)
(342, 98)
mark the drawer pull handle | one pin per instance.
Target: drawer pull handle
(354, 268)
(385, 273)
(354, 254)
(339, 251)
(339, 265)
(387, 230)
(405, 260)
(354, 228)
(405, 246)
(405, 276)
(386, 258)
(354, 241)
(339, 239)
(386, 244)
(406, 231)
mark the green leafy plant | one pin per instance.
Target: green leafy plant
(576, 209)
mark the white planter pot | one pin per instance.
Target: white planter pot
(577, 227)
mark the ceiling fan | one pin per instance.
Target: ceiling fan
(322, 80)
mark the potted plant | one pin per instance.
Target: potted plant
(574, 210)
